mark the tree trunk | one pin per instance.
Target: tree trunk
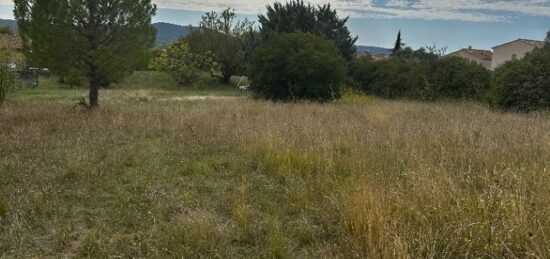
(226, 77)
(94, 88)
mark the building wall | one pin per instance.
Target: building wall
(507, 52)
(463, 54)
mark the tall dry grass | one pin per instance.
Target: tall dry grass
(227, 178)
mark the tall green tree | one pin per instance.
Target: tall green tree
(322, 21)
(297, 66)
(46, 23)
(106, 39)
(398, 44)
(220, 35)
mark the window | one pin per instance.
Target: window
(514, 56)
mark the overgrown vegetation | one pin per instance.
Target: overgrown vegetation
(5, 29)
(220, 36)
(297, 66)
(7, 77)
(422, 74)
(524, 84)
(183, 64)
(104, 39)
(204, 172)
(322, 20)
(235, 178)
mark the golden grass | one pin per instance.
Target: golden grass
(243, 178)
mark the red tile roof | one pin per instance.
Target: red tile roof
(12, 41)
(478, 53)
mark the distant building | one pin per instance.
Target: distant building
(513, 50)
(13, 43)
(10, 41)
(480, 56)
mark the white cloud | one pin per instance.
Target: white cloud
(462, 10)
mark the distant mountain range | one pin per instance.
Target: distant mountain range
(167, 32)
(373, 50)
(11, 23)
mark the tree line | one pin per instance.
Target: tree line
(297, 51)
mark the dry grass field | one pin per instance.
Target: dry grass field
(235, 177)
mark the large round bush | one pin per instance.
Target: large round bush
(459, 78)
(297, 66)
(524, 84)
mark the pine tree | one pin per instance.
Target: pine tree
(322, 21)
(105, 39)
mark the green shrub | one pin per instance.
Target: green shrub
(75, 78)
(297, 66)
(5, 29)
(425, 78)
(459, 78)
(523, 84)
(392, 78)
(184, 65)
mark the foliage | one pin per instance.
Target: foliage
(523, 84)
(322, 21)
(396, 78)
(239, 178)
(459, 78)
(74, 78)
(45, 23)
(7, 77)
(429, 54)
(5, 29)
(398, 43)
(297, 66)
(421, 74)
(222, 37)
(105, 39)
(183, 64)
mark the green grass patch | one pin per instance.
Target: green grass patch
(153, 173)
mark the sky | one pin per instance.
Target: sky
(453, 24)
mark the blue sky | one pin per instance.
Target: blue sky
(451, 23)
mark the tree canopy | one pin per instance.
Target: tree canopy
(105, 39)
(322, 21)
(398, 43)
(222, 37)
(296, 66)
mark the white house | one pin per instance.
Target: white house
(480, 56)
(513, 50)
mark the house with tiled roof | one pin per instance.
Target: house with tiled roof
(513, 50)
(10, 41)
(480, 56)
(13, 44)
